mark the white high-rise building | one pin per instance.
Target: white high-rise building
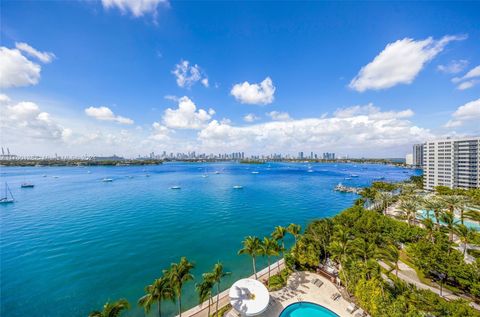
(451, 162)
(409, 159)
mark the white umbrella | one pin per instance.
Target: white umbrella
(249, 297)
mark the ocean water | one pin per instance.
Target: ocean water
(73, 242)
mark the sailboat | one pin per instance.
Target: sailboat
(5, 199)
(27, 185)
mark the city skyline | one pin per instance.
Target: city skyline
(115, 77)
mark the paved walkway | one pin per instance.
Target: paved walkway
(409, 275)
(202, 309)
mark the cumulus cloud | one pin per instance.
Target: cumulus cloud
(186, 116)
(250, 117)
(399, 63)
(254, 94)
(454, 67)
(105, 114)
(137, 8)
(279, 116)
(468, 112)
(469, 80)
(187, 75)
(160, 132)
(44, 57)
(16, 70)
(25, 120)
(359, 129)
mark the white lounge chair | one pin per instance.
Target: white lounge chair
(351, 308)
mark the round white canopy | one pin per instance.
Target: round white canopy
(249, 297)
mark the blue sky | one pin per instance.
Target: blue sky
(130, 77)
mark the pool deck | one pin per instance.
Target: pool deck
(300, 287)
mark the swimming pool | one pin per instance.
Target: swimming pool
(422, 214)
(306, 309)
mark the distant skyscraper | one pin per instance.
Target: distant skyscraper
(300, 155)
(451, 162)
(328, 156)
(417, 155)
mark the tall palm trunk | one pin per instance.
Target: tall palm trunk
(283, 256)
(437, 215)
(180, 304)
(254, 267)
(268, 262)
(159, 311)
(218, 296)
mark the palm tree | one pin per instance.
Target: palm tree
(448, 218)
(279, 235)
(455, 202)
(340, 248)
(179, 274)
(409, 207)
(204, 290)
(111, 309)
(391, 254)
(383, 199)
(217, 275)
(465, 234)
(429, 226)
(435, 205)
(269, 248)
(363, 249)
(472, 214)
(251, 246)
(294, 230)
(158, 291)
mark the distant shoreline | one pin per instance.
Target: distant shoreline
(141, 162)
(45, 163)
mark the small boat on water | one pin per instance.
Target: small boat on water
(347, 178)
(217, 172)
(237, 187)
(255, 172)
(5, 199)
(310, 171)
(56, 176)
(44, 175)
(107, 180)
(353, 175)
(27, 185)
(176, 187)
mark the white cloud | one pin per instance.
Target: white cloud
(187, 75)
(137, 8)
(279, 116)
(255, 94)
(250, 117)
(16, 70)
(360, 130)
(399, 63)
(455, 66)
(105, 114)
(160, 132)
(44, 57)
(186, 115)
(205, 82)
(468, 80)
(468, 112)
(24, 120)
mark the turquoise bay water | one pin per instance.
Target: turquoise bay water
(74, 242)
(306, 309)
